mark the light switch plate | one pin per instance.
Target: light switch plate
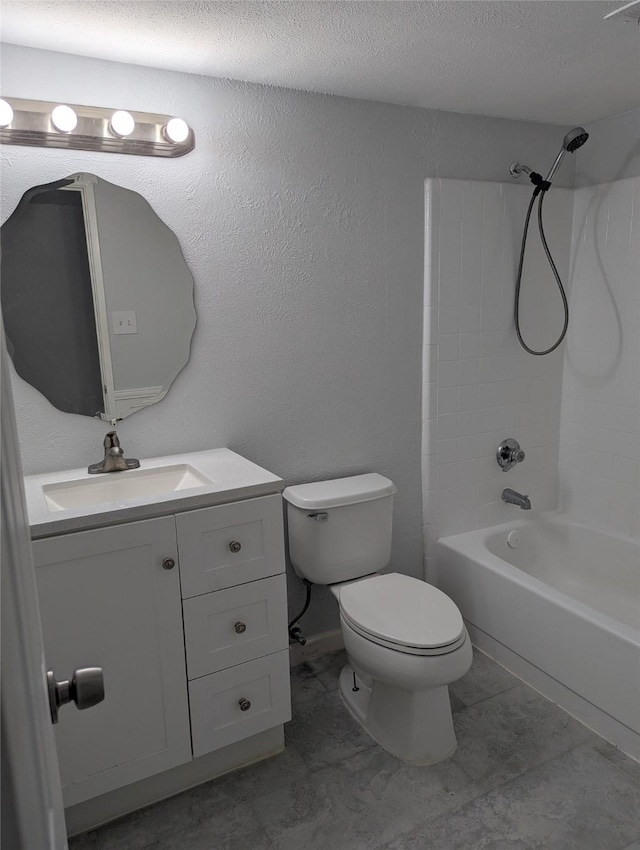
(124, 322)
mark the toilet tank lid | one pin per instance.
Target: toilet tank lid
(319, 495)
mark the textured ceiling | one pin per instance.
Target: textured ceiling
(553, 61)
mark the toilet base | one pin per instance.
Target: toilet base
(415, 726)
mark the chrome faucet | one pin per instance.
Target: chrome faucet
(114, 459)
(513, 498)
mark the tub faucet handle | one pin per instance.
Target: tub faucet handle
(509, 453)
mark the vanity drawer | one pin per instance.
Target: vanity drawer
(231, 544)
(236, 625)
(241, 701)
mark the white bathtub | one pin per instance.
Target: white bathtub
(561, 610)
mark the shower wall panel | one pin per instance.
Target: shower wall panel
(479, 385)
(600, 419)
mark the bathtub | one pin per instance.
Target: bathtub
(561, 610)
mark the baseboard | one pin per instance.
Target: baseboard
(315, 647)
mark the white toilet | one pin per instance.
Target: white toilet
(405, 639)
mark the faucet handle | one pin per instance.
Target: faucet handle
(509, 453)
(111, 440)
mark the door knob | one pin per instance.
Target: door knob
(86, 689)
(234, 546)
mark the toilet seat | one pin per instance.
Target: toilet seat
(403, 613)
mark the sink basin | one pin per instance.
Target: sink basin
(115, 487)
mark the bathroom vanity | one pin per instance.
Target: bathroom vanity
(171, 578)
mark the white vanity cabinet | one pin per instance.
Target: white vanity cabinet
(106, 600)
(186, 613)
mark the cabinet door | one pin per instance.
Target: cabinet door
(106, 600)
(227, 545)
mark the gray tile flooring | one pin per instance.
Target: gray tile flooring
(525, 776)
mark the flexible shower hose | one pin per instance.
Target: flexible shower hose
(540, 193)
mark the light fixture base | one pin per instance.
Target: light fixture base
(31, 125)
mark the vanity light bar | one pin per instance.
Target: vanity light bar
(92, 128)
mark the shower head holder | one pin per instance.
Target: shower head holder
(518, 168)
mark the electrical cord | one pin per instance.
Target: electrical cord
(538, 191)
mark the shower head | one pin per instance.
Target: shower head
(575, 139)
(572, 141)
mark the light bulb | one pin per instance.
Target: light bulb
(64, 119)
(122, 124)
(176, 130)
(6, 113)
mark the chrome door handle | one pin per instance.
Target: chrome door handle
(86, 689)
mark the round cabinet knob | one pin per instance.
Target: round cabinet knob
(244, 704)
(168, 563)
(240, 628)
(234, 546)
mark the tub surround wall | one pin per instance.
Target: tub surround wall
(300, 216)
(612, 152)
(480, 386)
(600, 420)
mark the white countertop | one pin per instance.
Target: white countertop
(232, 478)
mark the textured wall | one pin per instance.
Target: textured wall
(480, 385)
(600, 429)
(301, 218)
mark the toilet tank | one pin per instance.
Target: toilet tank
(340, 529)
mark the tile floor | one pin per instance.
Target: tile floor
(525, 775)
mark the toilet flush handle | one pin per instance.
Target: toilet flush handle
(321, 516)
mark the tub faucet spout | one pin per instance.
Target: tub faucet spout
(514, 498)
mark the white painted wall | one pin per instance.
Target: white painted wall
(600, 426)
(301, 218)
(480, 385)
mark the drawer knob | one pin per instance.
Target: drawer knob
(234, 546)
(168, 563)
(244, 704)
(240, 628)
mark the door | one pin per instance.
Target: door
(32, 813)
(113, 594)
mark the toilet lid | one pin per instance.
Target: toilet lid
(402, 610)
